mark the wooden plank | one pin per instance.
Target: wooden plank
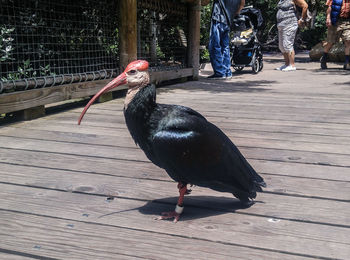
(283, 185)
(98, 164)
(228, 122)
(113, 113)
(282, 178)
(67, 238)
(297, 208)
(15, 255)
(126, 153)
(247, 102)
(219, 228)
(228, 118)
(36, 97)
(161, 76)
(110, 153)
(291, 100)
(110, 133)
(240, 138)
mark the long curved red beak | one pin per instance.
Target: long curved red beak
(120, 80)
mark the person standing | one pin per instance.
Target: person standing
(338, 24)
(287, 25)
(223, 12)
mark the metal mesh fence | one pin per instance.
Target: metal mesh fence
(48, 39)
(46, 42)
(162, 33)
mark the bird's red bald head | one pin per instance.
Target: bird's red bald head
(139, 65)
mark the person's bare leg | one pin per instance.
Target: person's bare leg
(286, 58)
(291, 57)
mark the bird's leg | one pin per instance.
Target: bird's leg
(179, 206)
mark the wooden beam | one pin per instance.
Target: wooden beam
(161, 76)
(194, 17)
(37, 97)
(31, 113)
(21, 100)
(128, 31)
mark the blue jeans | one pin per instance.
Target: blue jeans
(219, 48)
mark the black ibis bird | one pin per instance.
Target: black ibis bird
(182, 142)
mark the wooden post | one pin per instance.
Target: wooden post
(153, 36)
(30, 113)
(128, 31)
(194, 19)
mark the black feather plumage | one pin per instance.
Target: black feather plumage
(190, 149)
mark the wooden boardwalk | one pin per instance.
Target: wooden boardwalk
(87, 192)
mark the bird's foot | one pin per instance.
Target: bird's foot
(172, 214)
(169, 215)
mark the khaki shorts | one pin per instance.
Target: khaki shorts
(340, 30)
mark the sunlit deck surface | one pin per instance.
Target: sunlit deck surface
(87, 192)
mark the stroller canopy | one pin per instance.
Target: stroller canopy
(241, 21)
(254, 15)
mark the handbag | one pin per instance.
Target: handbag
(308, 18)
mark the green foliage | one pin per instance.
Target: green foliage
(6, 46)
(314, 35)
(42, 38)
(25, 70)
(204, 32)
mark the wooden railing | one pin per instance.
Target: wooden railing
(36, 99)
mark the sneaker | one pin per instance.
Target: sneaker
(215, 76)
(323, 61)
(346, 66)
(289, 68)
(229, 76)
(282, 67)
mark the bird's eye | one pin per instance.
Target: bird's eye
(132, 71)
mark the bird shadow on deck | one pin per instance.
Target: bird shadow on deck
(196, 207)
(223, 86)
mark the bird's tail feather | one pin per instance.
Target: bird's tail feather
(259, 182)
(257, 179)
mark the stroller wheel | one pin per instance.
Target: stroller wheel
(255, 65)
(261, 65)
(238, 68)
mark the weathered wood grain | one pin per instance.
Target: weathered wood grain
(36, 97)
(287, 184)
(97, 164)
(83, 239)
(240, 230)
(126, 153)
(118, 129)
(241, 138)
(15, 255)
(144, 188)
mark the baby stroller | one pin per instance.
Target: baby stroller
(245, 48)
